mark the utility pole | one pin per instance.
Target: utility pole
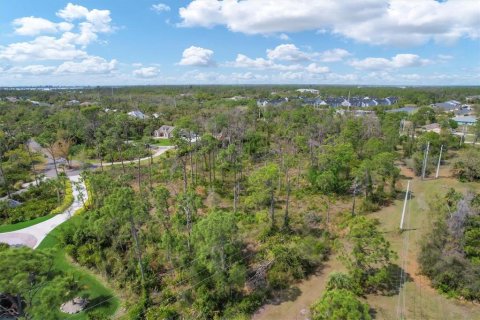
(439, 160)
(405, 205)
(355, 186)
(425, 160)
(137, 247)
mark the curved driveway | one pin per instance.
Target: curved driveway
(32, 236)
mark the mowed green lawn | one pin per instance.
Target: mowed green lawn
(24, 224)
(96, 291)
(421, 300)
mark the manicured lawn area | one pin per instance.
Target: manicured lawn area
(96, 291)
(163, 142)
(21, 225)
(67, 202)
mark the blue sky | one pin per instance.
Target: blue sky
(116, 42)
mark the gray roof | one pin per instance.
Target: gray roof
(404, 109)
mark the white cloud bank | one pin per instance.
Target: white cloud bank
(197, 56)
(146, 72)
(31, 26)
(398, 22)
(69, 47)
(404, 60)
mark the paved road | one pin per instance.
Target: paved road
(32, 236)
(158, 152)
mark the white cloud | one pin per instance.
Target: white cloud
(248, 76)
(160, 7)
(197, 56)
(334, 55)
(398, 61)
(42, 48)
(314, 68)
(96, 21)
(91, 65)
(146, 72)
(242, 61)
(31, 26)
(399, 22)
(287, 52)
(284, 37)
(32, 69)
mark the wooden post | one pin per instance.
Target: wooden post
(404, 206)
(439, 160)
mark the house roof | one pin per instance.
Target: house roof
(465, 119)
(166, 128)
(137, 114)
(448, 105)
(404, 109)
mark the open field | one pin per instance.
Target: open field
(421, 300)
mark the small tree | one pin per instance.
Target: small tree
(262, 186)
(367, 254)
(340, 304)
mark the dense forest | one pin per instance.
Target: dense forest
(249, 201)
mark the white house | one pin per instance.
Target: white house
(164, 132)
(137, 114)
(313, 91)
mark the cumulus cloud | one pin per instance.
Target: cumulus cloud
(396, 22)
(31, 26)
(91, 65)
(404, 60)
(287, 52)
(146, 72)
(79, 28)
(32, 69)
(94, 21)
(314, 68)
(285, 57)
(248, 76)
(160, 7)
(197, 56)
(43, 48)
(334, 55)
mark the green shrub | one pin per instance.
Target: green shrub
(340, 304)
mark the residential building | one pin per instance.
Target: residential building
(465, 120)
(137, 114)
(164, 132)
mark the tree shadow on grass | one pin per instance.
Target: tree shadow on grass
(396, 279)
(280, 296)
(102, 301)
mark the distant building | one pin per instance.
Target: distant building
(271, 102)
(472, 98)
(164, 132)
(465, 120)
(313, 91)
(408, 110)
(236, 98)
(137, 114)
(12, 99)
(72, 103)
(447, 106)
